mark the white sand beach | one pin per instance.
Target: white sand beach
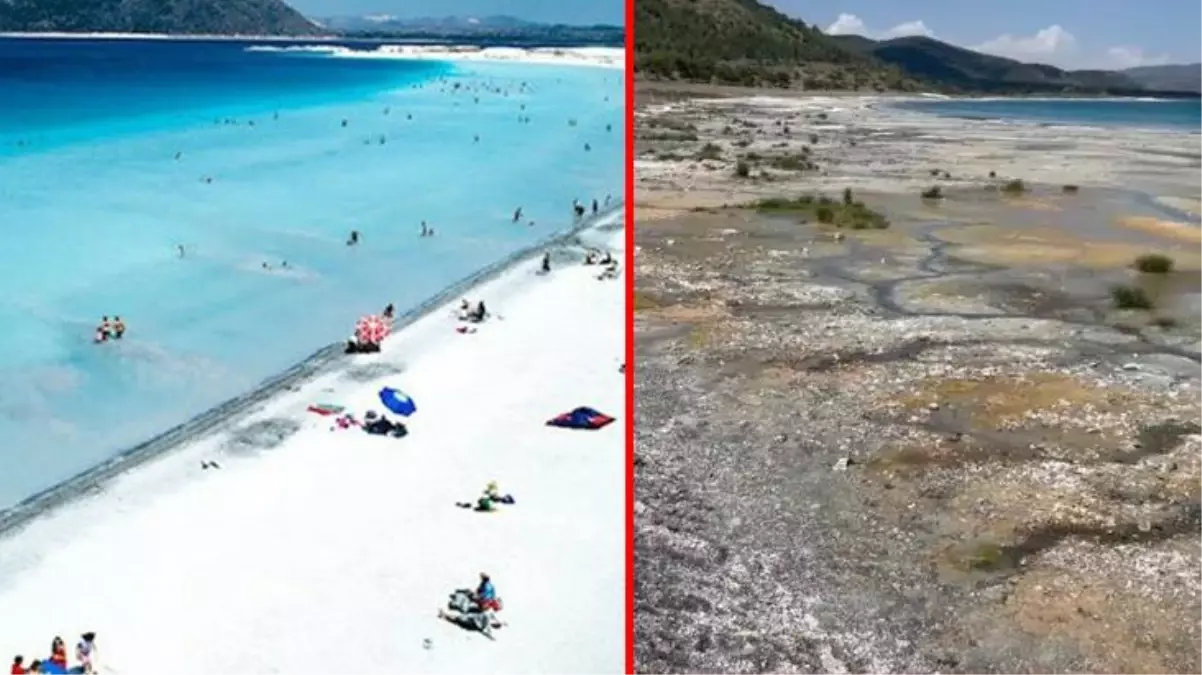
(603, 57)
(316, 551)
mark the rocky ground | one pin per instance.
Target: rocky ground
(933, 447)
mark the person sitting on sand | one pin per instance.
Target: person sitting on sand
(58, 653)
(590, 257)
(478, 314)
(118, 328)
(18, 665)
(485, 596)
(35, 666)
(85, 651)
(607, 259)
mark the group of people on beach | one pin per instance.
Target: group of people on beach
(85, 658)
(109, 330)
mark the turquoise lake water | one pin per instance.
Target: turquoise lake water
(95, 204)
(1179, 115)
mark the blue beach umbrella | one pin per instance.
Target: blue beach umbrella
(397, 401)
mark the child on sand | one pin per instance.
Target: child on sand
(85, 651)
(18, 667)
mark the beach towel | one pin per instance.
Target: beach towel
(581, 418)
(326, 409)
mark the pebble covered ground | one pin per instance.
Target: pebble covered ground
(861, 452)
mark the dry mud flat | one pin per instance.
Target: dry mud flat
(935, 447)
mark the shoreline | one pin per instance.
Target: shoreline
(597, 57)
(322, 362)
(397, 48)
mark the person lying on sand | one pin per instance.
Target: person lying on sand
(488, 501)
(482, 622)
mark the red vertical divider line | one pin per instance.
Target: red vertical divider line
(629, 318)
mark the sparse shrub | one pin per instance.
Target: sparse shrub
(1130, 297)
(1164, 322)
(1014, 187)
(742, 169)
(848, 197)
(710, 151)
(933, 192)
(1154, 263)
(935, 173)
(993, 174)
(825, 214)
(823, 200)
(1070, 189)
(813, 139)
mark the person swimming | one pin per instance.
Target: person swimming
(181, 250)
(354, 238)
(104, 330)
(118, 328)
(517, 215)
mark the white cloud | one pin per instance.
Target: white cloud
(1130, 57)
(850, 24)
(1052, 45)
(1056, 46)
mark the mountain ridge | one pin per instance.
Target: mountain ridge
(747, 42)
(171, 17)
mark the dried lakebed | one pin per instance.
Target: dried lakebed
(896, 450)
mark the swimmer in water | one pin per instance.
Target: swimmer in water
(266, 266)
(344, 123)
(354, 239)
(517, 215)
(103, 330)
(181, 250)
(118, 328)
(587, 147)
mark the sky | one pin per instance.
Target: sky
(543, 11)
(1108, 34)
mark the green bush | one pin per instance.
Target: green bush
(710, 151)
(1014, 187)
(825, 214)
(1130, 297)
(1070, 189)
(742, 169)
(933, 192)
(1154, 263)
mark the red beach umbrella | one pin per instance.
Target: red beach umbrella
(371, 329)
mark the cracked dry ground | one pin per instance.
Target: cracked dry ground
(830, 478)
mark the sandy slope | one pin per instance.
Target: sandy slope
(332, 551)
